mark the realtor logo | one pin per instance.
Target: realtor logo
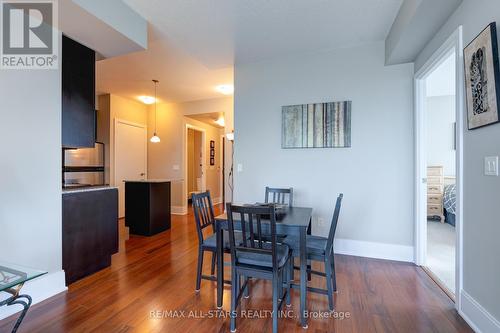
(29, 38)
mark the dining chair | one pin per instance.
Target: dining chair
(204, 218)
(256, 257)
(279, 195)
(321, 249)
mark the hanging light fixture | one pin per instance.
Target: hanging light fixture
(155, 138)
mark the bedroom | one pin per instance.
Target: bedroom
(441, 174)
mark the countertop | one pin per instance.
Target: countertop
(88, 189)
(152, 180)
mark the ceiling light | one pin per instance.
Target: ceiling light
(147, 99)
(225, 89)
(155, 138)
(220, 122)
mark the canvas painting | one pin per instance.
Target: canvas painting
(482, 79)
(320, 125)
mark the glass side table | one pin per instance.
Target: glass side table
(12, 279)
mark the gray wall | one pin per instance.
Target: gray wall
(30, 174)
(481, 228)
(375, 174)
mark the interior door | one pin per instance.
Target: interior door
(130, 157)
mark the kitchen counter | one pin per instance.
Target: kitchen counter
(153, 181)
(87, 189)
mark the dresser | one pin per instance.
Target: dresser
(435, 191)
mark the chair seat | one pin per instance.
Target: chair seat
(211, 241)
(263, 259)
(316, 244)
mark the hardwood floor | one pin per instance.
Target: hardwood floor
(151, 276)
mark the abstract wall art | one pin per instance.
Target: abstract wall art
(482, 79)
(319, 125)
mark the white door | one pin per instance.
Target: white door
(130, 157)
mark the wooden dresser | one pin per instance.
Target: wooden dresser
(435, 191)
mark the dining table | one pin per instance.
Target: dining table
(295, 224)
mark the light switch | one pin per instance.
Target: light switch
(491, 166)
(176, 167)
(239, 167)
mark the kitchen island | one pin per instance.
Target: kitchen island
(89, 230)
(147, 206)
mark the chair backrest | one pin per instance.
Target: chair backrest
(253, 239)
(279, 195)
(333, 226)
(203, 212)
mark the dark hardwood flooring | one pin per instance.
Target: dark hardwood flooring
(151, 276)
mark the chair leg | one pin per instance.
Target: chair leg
(200, 267)
(289, 282)
(329, 287)
(334, 276)
(246, 293)
(276, 293)
(214, 260)
(234, 296)
(309, 267)
(292, 260)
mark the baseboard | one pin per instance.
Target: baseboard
(480, 320)
(39, 289)
(217, 201)
(179, 210)
(374, 250)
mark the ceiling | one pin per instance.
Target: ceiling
(194, 44)
(208, 118)
(182, 78)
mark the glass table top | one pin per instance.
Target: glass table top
(12, 275)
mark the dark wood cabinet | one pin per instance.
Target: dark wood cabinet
(89, 231)
(78, 95)
(147, 207)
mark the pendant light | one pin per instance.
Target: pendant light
(155, 138)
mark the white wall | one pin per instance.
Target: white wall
(481, 225)
(375, 175)
(440, 133)
(167, 158)
(30, 177)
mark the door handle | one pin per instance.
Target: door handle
(143, 174)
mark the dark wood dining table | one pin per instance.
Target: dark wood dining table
(295, 224)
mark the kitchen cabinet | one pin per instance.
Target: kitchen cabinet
(89, 230)
(147, 206)
(78, 95)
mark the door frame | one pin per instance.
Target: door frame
(222, 170)
(185, 159)
(453, 44)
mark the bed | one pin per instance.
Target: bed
(450, 203)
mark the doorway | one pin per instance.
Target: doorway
(195, 153)
(130, 157)
(438, 177)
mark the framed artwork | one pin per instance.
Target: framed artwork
(482, 79)
(320, 125)
(212, 152)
